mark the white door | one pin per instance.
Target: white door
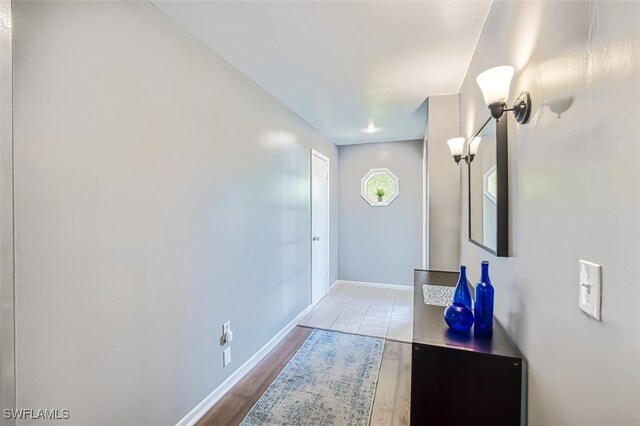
(319, 226)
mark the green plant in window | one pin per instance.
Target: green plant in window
(379, 187)
(380, 182)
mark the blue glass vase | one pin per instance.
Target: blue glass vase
(458, 315)
(462, 294)
(483, 306)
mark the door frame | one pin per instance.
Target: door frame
(7, 226)
(325, 158)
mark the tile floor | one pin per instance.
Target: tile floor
(365, 310)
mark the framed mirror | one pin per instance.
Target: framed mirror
(488, 189)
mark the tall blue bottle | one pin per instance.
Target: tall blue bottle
(458, 315)
(483, 305)
(462, 294)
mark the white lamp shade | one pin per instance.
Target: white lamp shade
(474, 144)
(495, 83)
(456, 146)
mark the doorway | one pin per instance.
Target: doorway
(319, 226)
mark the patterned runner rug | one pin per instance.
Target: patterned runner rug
(331, 380)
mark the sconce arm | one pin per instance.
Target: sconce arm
(521, 108)
(467, 158)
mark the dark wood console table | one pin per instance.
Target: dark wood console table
(459, 379)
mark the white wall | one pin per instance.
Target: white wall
(380, 244)
(159, 192)
(574, 194)
(443, 193)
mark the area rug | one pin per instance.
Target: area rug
(331, 380)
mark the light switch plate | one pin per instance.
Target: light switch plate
(226, 332)
(226, 357)
(590, 288)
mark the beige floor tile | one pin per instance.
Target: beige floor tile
(404, 296)
(356, 309)
(385, 292)
(382, 303)
(327, 314)
(329, 307)
(350, 317)
(315, 307)
(373, 331)
(307, 317)
(318, 322)
(348, 327)
(340, 293)
(346, 290)
(367, 292)
(381, 297)
(379, 312)
(336, 298)
(401, 322)
(401, 325)
(357, 301)
(402, 313)
(389, 313)
(376, 321)
(400, 304)
(332, 304)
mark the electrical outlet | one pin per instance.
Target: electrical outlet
(226, 357)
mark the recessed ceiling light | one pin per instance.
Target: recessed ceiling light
(371, 128)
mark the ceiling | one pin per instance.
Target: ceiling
(339, 65)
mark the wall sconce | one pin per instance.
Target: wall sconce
(456, 146)
(495, 83)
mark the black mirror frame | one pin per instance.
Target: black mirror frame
(502, 182)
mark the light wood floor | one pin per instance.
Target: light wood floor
(393, 392)
(390, 405)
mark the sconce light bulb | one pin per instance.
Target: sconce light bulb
(495, 83)
(456, 146)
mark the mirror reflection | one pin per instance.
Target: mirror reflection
(483, 188)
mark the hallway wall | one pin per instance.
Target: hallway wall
(574, 194)
(443, 184)
(159, 192)
(380, 244)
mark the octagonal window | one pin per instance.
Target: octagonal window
(490, 184)
(379, 187)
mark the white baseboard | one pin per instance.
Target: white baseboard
(336, 285)
(205, 405)
(340, 283)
